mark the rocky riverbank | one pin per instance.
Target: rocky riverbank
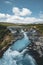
(36, 56)
(36, 50)
(36, 47)
(9, 44)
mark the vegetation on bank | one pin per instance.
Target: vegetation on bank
(5, 36)
(8, 24)
(28, 26)
(38, 27)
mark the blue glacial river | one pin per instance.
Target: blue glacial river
(13, 56)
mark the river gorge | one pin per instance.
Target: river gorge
(17, 53)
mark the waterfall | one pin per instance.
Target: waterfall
(21, 44)
(16, 58)
(25, 36)
(13, 57)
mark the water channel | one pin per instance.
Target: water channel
(13, 56)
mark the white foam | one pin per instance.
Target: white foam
(12, 57)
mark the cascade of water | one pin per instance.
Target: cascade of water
(14, 57)
(25, 36)
(21, 44)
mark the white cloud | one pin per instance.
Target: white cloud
(2, 15)
(25, 12)
(16, 10)
(21, 12)
(19, 17)
(41, 14)
(7, 2)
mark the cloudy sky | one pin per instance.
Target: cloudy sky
(21, 11)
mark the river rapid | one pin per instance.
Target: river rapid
(13, 56)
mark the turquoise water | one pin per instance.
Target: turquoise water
(13, 57)
(20, 44)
